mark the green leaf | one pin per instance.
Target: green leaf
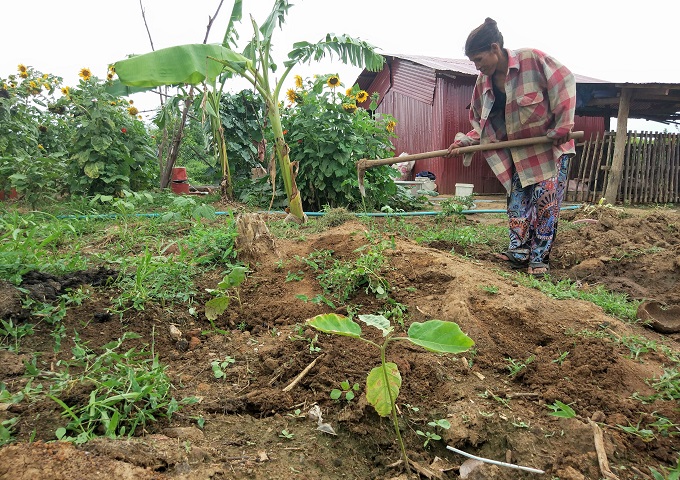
(335, 394)
(60, 433)
(337, 324)
(92, 170)
(183, 64)
(380, 394)
(379, 322)
(562, 410)
(439, 336)
(216, 307)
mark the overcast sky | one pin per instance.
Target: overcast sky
(608, 40)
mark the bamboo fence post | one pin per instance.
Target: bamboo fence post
(654, 179)
(648, 144)
(582, 171)
(596, 165)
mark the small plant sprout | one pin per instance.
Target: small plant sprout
(226, 290)
(286, 434)
(428, 436)
(559, 360)
(516, 366)
(441, 423)
(490, 289)
(560, 409)
(218, 366)
(384, 381)
(645, 434)
(297, 413)
(345, 389)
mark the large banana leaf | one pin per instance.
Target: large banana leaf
(350, 50)
(183, 64)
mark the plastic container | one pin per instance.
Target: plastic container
(412, 186)
(464, 189)
(179, 174)
(180, 188)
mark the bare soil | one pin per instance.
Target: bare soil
(492, 414)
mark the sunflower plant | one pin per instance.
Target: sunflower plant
(33, 143)
(208, 63)
(329, 132)
(110, 149)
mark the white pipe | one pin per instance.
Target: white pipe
(494, 462)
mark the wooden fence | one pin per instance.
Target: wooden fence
(651, 169)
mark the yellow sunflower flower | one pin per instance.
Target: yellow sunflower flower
(362, 96)
(291, 95)
(85, 74)
(131, 102)
(348, 92)
(349, 107)
(40, 146)
(390, 126)
(22, 68)
(139, 117)
(32, 84)
(333, 81)
(133, 111)
(45, 76)
(298, 81)
(109, 76)
(65, 91)
(23, 74)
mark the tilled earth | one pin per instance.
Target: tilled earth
(579, 357)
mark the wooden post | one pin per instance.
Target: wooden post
(614, 181)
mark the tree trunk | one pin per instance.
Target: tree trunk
(166, 172)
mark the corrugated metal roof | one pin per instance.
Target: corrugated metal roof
(466, 67)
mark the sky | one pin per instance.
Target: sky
(597, 38)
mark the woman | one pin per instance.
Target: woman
(520, 94)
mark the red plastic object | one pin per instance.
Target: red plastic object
(179, 174)
(180, 188)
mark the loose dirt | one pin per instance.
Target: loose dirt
(492, 414)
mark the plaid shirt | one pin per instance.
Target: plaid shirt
(541, 99)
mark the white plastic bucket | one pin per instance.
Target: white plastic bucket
(464, 189)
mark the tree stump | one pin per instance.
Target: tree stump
(254, 242)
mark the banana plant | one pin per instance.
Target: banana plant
(207, 63)
(384, 381)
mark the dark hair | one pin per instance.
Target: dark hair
(481, 38)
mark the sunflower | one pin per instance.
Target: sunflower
(85, 74)
(291, 95)
(333, 81)
(23, 74)
(65, 91)
(131, 102)
(298, 81)
(390, 126)
(133, 111)
(348, 92)
(109, 76)
(349, 107)
(362, 96)
(33, 85)
(22, 68)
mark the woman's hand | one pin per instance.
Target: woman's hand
(454, 146)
